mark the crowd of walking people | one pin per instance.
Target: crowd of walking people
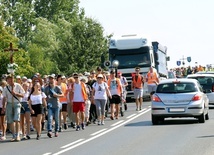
(50, 102)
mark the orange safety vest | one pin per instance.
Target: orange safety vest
(84, 93)
(151, 79)
(138, 83)
(63, 98)
(119, 88)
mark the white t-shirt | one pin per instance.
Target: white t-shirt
(113, 87)
(77, 97)
(37, 99)
(25, 98)
(17, 88)
(100, 90)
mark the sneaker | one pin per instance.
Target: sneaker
(49, 134)
(65, 126)
(13, 138)
(87, 123)
(137, 109)
(3, 138)
(112, 118)
(83, 126)
(73, 125)
(24, 138)
(78, 128)
(98, 123)
(28, 137)
(17, 139)
(102, 123)
(56, 134)
(31, 129)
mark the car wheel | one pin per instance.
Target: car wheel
(207, 116)
(154, 120)
(201, 118)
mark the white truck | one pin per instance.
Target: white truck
(136, 51)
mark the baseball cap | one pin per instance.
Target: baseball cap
(99, 76)
(18, 77)
(29, 80)
(24, 77)
(51, 76)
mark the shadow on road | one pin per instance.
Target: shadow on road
(143, 123)
(209, 136)
(166, 122)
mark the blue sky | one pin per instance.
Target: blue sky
(186, 27)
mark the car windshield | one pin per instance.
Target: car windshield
(176, 88)
(205, 82)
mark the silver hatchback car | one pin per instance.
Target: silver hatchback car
(179, 98)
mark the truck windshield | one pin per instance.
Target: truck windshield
(131, 58)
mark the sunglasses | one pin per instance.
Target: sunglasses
(76, 77)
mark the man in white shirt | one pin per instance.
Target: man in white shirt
(12, 95)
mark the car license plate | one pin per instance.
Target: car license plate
(176, 109)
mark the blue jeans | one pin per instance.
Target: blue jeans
(53, 113)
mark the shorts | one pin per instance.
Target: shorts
(78, 106)
(138, 93)
(38, 109)
(1, 113)
(13, 112)
(152, 88)
(25, 107)
(64, 107)
(116, 99)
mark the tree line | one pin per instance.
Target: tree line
(52, 37)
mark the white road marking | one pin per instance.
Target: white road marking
(71, 143)
(98, 132)
(99, 135)
(47, 153)
(117, 123)
(131, 116)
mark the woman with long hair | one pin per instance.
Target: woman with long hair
(36, 99)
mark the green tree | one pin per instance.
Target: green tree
(21, 57)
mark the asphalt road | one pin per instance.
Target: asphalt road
(132, 134)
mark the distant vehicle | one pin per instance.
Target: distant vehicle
(207, 83)
(179, 98)
(171, 75)
(137, 51)
(205, 72)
